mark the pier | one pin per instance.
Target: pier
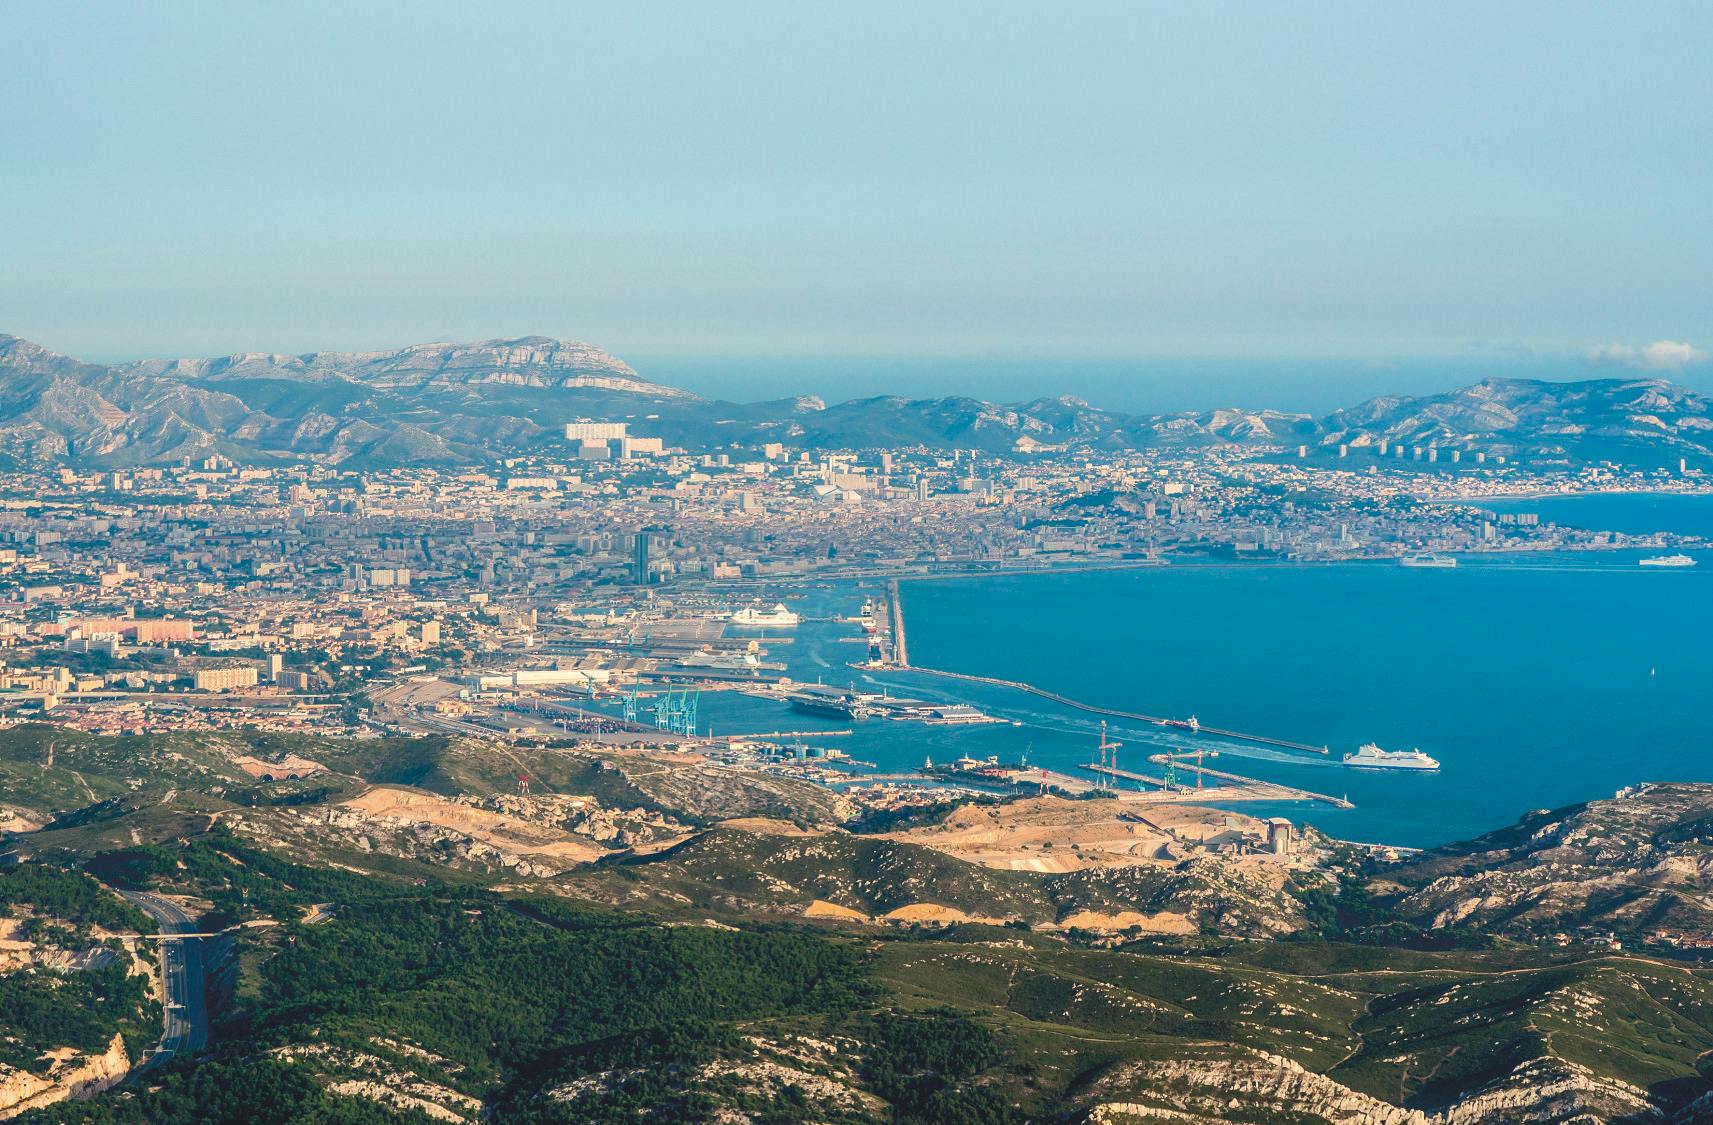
(1241, 788)
(1113, 773)
(895, 609)
(1157, 720)
(1295, 794)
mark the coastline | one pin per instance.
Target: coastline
(1253, 664)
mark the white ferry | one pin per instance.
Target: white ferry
(1669, 560)
(776, 618)
(1428, 560)
(1371, 757)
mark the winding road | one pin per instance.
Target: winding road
(185, 1026)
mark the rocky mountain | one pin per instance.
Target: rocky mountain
(423, 405)
(470, 403)
(1638, 867)
(529, 361)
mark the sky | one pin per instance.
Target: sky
(854, 189)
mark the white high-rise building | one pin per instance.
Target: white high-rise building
(594, 431)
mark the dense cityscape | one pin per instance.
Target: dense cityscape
(227, 594)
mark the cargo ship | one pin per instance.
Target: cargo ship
(1668, 560)
(1428, 561)
(757, 618)
(1371, 757)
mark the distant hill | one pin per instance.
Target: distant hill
(528, 361)
(471, 403)
(1650, 421)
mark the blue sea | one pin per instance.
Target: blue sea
(1537, 680)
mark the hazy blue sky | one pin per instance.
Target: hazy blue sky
(1465, 180)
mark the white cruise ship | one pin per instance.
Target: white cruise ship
(1371, 757)
(776, 618)
(1426, 560)
(1669, 560)
(722, 661)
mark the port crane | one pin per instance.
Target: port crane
(1109, 755)
(677, 713)
(1172, 761)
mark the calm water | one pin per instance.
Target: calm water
(1535, 686)
(1537, 681)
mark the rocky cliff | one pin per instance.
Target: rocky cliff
(73, 1078)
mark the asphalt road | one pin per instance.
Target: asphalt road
(186, 1023)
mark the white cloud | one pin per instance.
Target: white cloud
(1661, 355)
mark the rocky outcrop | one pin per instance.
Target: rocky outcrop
(586, 817)
(423, 826)
(14, 819)
(695, 790)
(72, 1079)
(371, 1077)
(1551, 1091)
(1262, 1085)
(1543, 1091)
(1636, 866)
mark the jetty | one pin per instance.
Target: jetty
(1158, 720)
(1245, 788)
(1295, 793)
(895, 610)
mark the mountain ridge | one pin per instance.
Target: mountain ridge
(449, 403)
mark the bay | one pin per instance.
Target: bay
(1536, 682)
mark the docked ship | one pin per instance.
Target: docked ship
(723, 661)
(1371, 757)
(757, 618)
(827, 705)
(1427, 560)
(1669, 560)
